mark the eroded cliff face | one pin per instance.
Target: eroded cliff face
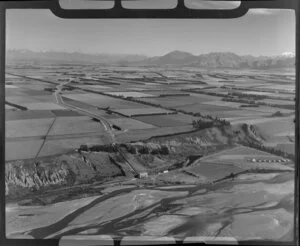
(95, 163)
(24, 176)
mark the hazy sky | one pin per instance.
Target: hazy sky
(261, 32)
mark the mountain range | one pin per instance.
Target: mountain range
(174, 58)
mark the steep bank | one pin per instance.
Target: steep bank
(102, 162)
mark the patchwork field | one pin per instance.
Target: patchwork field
(121, 161)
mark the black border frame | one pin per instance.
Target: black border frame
(180, 12)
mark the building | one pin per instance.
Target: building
(143, 175)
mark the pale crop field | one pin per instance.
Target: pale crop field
(27, 128)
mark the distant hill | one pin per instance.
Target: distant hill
(210, 60)
(71, 56)
(221, 60)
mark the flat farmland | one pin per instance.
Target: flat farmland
(26, 98)
(223, 104)
(15, 92)
(143, 134)
(78, 104)
(127, 123)
(278, 102)
(238, 157)
(130, 94)
(28, 114)
(232, 114)
(92, 109)
(28, 127)
(42, 106)
(65, 113)
(38, 86)
(11, 87)
(104, 101)
(62, 146)
(206, 108)
(271, 110)
(19, 150)
(287, 147)
(142, 111)
(8, 107)
(20, 99)
(75, 125)
(100, 87)
(178, 101)
(96, 87)
(9, 76)
(281, 87)
(39, 94)
(168, 92)
(213, 171)
(279, 126)
(260, 93)
(194, 86)
(167, 120)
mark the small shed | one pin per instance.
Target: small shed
(143, 175)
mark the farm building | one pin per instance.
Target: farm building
(143, 175)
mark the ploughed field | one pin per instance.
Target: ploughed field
(149, 152)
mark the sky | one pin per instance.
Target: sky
(259, 32)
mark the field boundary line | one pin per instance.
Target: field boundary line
(44, 140)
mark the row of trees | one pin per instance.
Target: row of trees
(203, 124)
(132, 149)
